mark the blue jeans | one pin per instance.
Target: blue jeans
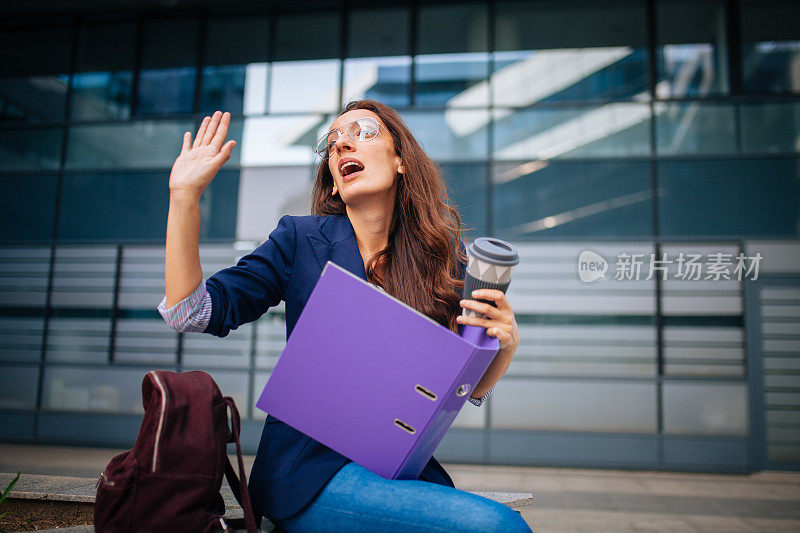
(356, 500)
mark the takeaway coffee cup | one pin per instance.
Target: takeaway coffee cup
(489, 265)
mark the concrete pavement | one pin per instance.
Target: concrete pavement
(564, 499)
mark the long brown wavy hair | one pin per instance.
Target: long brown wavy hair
(420, 262)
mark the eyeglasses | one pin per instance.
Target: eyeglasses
(363, 129)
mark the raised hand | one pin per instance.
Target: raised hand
(200, 161)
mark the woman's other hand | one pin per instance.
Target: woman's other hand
(499, 321)
(200, 161)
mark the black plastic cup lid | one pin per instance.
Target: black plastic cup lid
(494, 251)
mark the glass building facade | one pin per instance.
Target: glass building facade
(649, 128)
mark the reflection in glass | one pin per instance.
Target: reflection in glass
(455, 80)
(166, 91)
(729, 198)
(84, 340)
(579, 51)
(304, 86)
(770, 46)
(115, 390)
(283, 140)
(101, 86)
(223, 89)
(690, 128)
(34, 66)
(541, 199)
(522, 78)
(101, 95)
(385, 79)
(692, 57)
(452, 135)
(770, 128)
(307, 35)
(599, 131)
(29, 149)
(137, 144)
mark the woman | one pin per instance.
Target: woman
(380, 211)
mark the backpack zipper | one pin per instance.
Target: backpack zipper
(160, 419)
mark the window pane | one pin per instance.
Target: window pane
(692, 57)
(308, 36)
(705, 408)
(169, 59)
(579, 51)
(453, 64)
(20, 338)
(101, 86)
(30, 148)
(25, 272)
(116, 390)
(84, 340)
(770, 128)
(99, 206)
(301, 86)
(694, 128)
(266, 194)
(34, 67)
(385, 79)
(378, 32)
(454, 80)
(27, 207)
(20, 385)
(285, 140)
(770, 46)
(452, 29)
(141, 341)
(539, 199)
(452, 135)
(598, 131)
(135, 144)
(608, 406)
(232, 46)
(736, 198)
(83, 276)
(467, 189)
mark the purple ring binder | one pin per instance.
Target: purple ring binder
(372, 378)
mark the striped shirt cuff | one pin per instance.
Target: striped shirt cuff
(190, 314)
(479, 401)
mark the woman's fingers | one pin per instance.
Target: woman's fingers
(483, 308)
(212, 127)
(225, 153)
(494, 295)
(222, 131)
(187, 140)
(201, 131)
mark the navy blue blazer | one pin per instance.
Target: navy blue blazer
(290, 467)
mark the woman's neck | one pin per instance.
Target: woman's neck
(371, 225)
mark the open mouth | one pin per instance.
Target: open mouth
(350, 167)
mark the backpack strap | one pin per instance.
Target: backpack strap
(239, 484)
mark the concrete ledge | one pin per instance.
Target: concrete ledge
(81, 489)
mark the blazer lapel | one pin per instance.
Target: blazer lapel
(336, 242)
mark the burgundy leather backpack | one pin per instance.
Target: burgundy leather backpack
(170, 481)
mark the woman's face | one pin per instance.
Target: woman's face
(377, 163)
